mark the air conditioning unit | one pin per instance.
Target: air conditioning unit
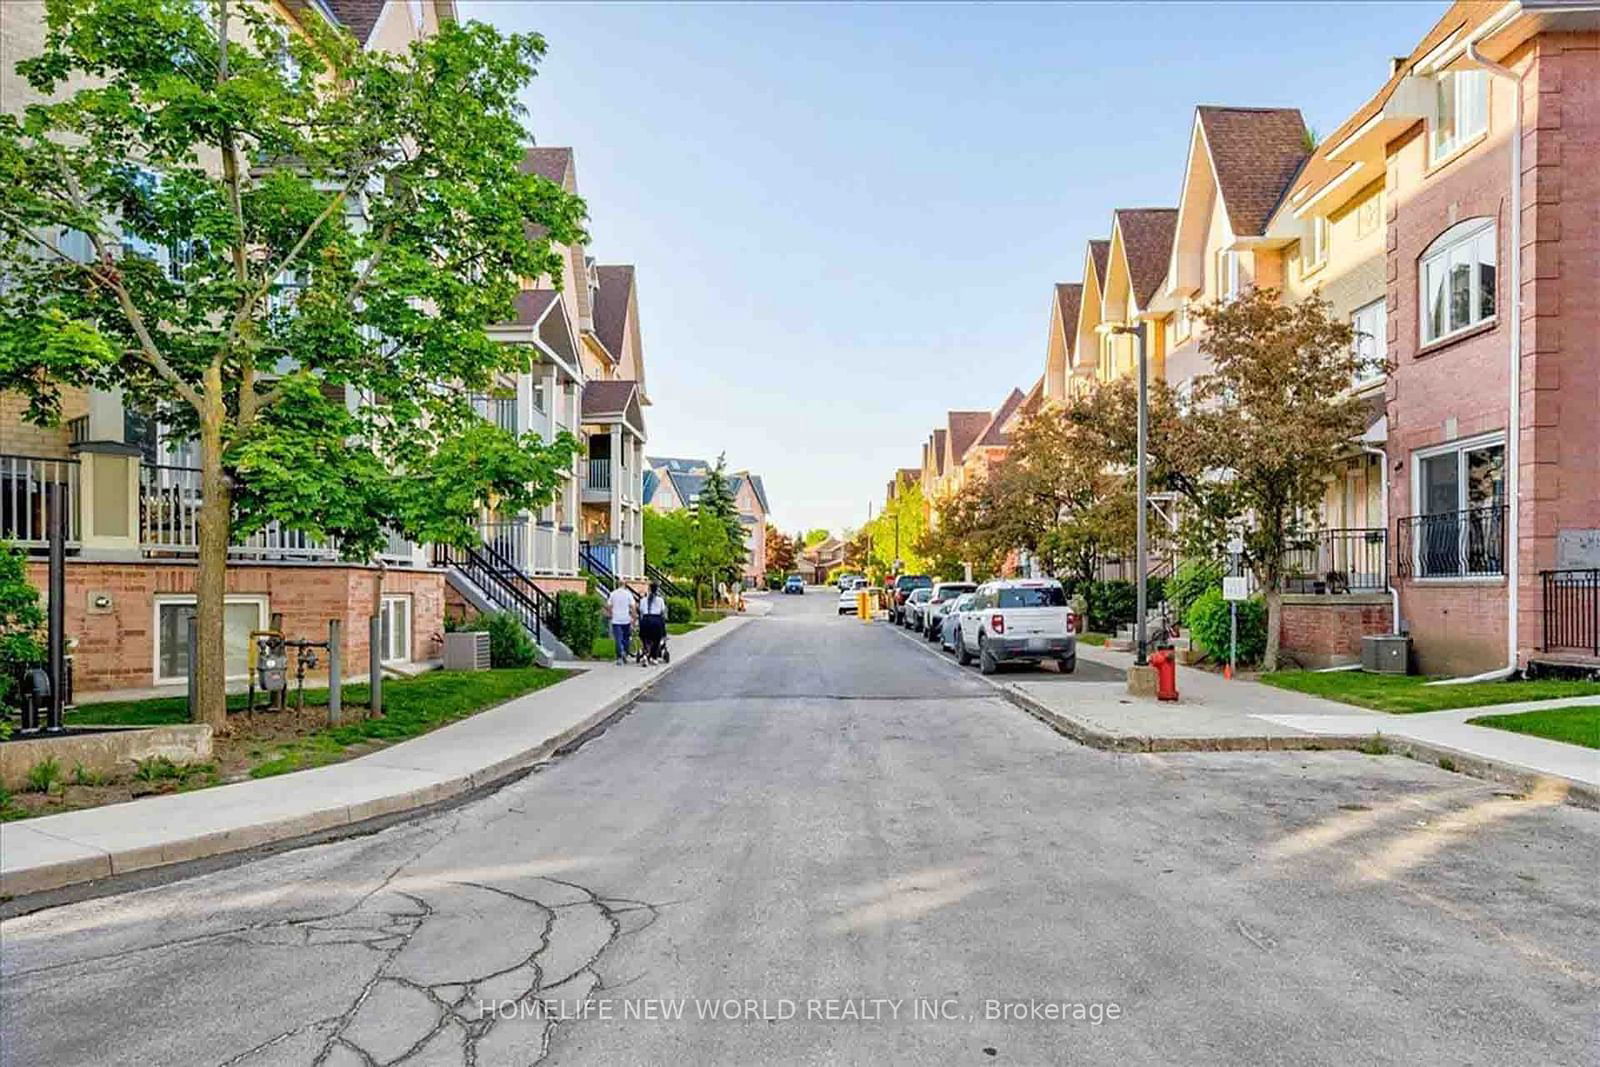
(466, 650)
(1386, 653)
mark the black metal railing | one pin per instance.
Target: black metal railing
(1348, 560)
(597, 561)
(509, 539)
(1452, 544)
(1571, 610)
(28, 485)
(508, 588)
(667, 585)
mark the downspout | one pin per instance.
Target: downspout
(1514, 378)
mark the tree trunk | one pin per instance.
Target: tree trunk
(1269, 660)
(211, 685)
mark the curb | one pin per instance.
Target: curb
(326, 823)
(1577, 794)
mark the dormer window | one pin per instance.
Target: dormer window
(1462, 113)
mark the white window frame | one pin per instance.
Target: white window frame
(1378, 313)
(1227, 274)
(1460, 448)
(1314, 251)
(1183, 327)
(263, 617)
(1467, 234)
(1461, 112)
(386, 630)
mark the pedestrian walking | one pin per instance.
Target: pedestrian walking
(623, 608)
(652, 623)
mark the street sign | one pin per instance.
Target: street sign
(1235, 589)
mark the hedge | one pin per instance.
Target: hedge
(680, 609)
(1208, 624)
(583, 618)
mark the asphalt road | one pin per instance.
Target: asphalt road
(848, 850)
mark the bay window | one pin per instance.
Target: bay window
(1457, 279)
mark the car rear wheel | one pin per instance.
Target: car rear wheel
(987, 664)
(1067, 664)
(963, 657)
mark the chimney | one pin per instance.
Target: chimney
(1395, 63)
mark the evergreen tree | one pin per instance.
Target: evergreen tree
(716, 500)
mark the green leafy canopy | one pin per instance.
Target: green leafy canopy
(290, 247)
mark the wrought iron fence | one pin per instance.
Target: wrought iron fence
(1571, 610)
(1452, 544)
(1347, 560)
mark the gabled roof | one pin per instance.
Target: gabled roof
(757, 484)
(552, 163)
(1099, 252)
(532, 305)
(611, 307)
(1255, 153)
(965, 426)
(357, 16)
(1035, 397)
(938, 449)
(607, 398)
(1068, 295)
(1147, 244)
(994, 433)
(651, 481)
(1462, 17)
(684, 466)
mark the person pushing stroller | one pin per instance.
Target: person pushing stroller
(653, 625)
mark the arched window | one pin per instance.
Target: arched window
(1456, 279)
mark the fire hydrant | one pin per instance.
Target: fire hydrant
(1166, 667)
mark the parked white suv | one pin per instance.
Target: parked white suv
(1017, 619)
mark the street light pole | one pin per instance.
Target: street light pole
(1142, 550)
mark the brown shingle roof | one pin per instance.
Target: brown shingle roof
(965, 426)
(552, 163)
(1099, 251)
(1068, 296)
(357, 16)
(611, 306)
(1463, 16)
(1256, 152)
(994, 434)
(607, 398)
(533, 303)
(938, 450)
(1147, 242)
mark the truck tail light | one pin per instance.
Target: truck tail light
(997, 623)
(1072, 623)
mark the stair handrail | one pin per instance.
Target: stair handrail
(523, 585)
(659, 576)
(488, 568)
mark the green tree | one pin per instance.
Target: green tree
(278, 222)
(815, 537)
(21, 629)
(1273, 417)
(716, 501)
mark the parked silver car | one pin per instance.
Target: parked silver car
(944, 595)
(950, 625)
(911, 613)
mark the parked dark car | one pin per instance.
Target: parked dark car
(902, 589)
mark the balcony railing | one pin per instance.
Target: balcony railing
(1349, 560)
(1452, 544)
(1571, 610)
(500, 410)
(169, 522)
(509, 540)
(599, 477)
(28, 484)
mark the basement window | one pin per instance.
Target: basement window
(240, 615)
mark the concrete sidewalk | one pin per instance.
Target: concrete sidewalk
(1216, 714)
(53, 851)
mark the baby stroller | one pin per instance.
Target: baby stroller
(642, 655)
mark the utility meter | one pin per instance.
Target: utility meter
(272, 665)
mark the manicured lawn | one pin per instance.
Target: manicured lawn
(411, 707)
(606, 648)
(1403, 693)
(1578, 725)
(1092, 638)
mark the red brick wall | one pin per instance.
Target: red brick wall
(1455, 629)
(116, 650)
(1327, 631)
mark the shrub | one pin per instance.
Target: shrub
(1114, 603)
(509, 643)
(583, 618)
(21, 627)
(44, 776)
(680, 609)
(1208, 623)
(1189, 583)
(155, 769)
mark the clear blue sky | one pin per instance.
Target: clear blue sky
(847, 218)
